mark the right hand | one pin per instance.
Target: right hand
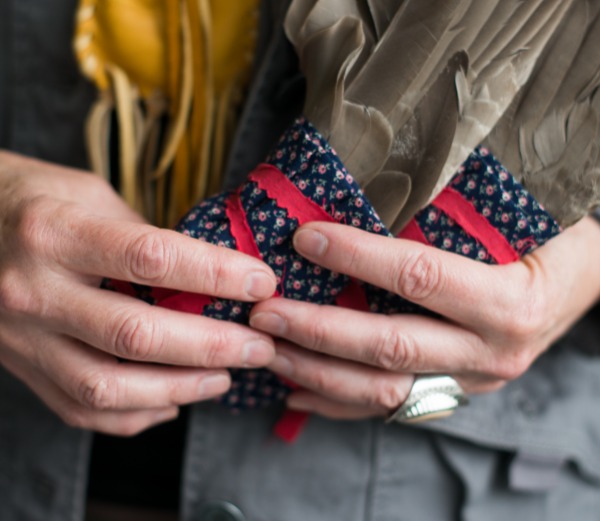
(61, 232)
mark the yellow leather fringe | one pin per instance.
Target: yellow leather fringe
(173, 74)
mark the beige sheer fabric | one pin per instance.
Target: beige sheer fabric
(405, 89)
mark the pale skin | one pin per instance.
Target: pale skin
(61, 231)
(497, 319)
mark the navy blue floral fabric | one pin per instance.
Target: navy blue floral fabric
(306, 159)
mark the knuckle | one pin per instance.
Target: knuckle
(318, 334)
(322, 382)
(218, 351)
(395, 351)
(419, 277)
(138, 337)
(148, 258)
(387, 395)
(214, 276)
(511, 366)
(32, 225)
(18, 298)
(98, 392)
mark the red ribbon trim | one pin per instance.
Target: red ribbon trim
(455, 206)
(413, 232)
(288, 196)
(240, 230)
(354, 297)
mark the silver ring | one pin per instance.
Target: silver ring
(430, 397)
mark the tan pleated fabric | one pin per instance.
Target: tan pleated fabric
(405, 89)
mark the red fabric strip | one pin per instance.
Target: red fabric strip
(244, 238)
(123, 287)
(353, 297)
(413, 232)
(288, 196)
(186, 302)
(455, 206)
(290, 425)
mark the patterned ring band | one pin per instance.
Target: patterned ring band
(430, 397)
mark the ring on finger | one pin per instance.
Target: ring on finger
(431, 397)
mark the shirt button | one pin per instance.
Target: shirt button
(221, 511)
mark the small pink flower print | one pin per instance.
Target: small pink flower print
(349, 179)
(339, 175)
(236, 310)
(431, 216)
(503, 175)
(279, 240)
(279, 222)
(521, 224)
(486, 212)
(506, 196)
(219, 306)
(447, 243)
(303, 166)
(320, 190)
(471, 185)
(302, 185)
(309, 155)
(481, 255)
(209, 226)
(523, 201)
(297, 265)
(260, 237)
(186, 232)
(314, 289)
(358, 202)
(355, 222)
(279, 154)
(262, 216)
(377, 227)
(476, 165)
(542, 226)
(489, 190)
(297, 285)
(431, 236)
(279, 260)
(322, 169)
(293, 156)
(317, 270)
(339, 194)
(504, 218)
(466, 249)
(484, 151)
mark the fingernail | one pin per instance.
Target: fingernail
(269, 322)
(214, 385)
(282, 365)
(310, 243)
(258, 353)
(260, 285)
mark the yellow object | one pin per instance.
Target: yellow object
(183, 62)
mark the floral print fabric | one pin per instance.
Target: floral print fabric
(307, 160)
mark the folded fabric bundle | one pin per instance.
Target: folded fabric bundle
(483, 214)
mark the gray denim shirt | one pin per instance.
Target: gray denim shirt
(530, 451)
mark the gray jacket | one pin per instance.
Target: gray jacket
(530, 451)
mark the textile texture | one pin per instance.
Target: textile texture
(483, 214)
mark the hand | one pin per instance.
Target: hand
(61, 232)
(496, 320)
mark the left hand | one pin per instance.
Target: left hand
(496, 320)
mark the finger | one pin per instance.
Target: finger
(398, 343)
(447, 283)
(306, 401)
(99, 382)
(147, 255)
(340, 380)
(134, 330)
(116, 423)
